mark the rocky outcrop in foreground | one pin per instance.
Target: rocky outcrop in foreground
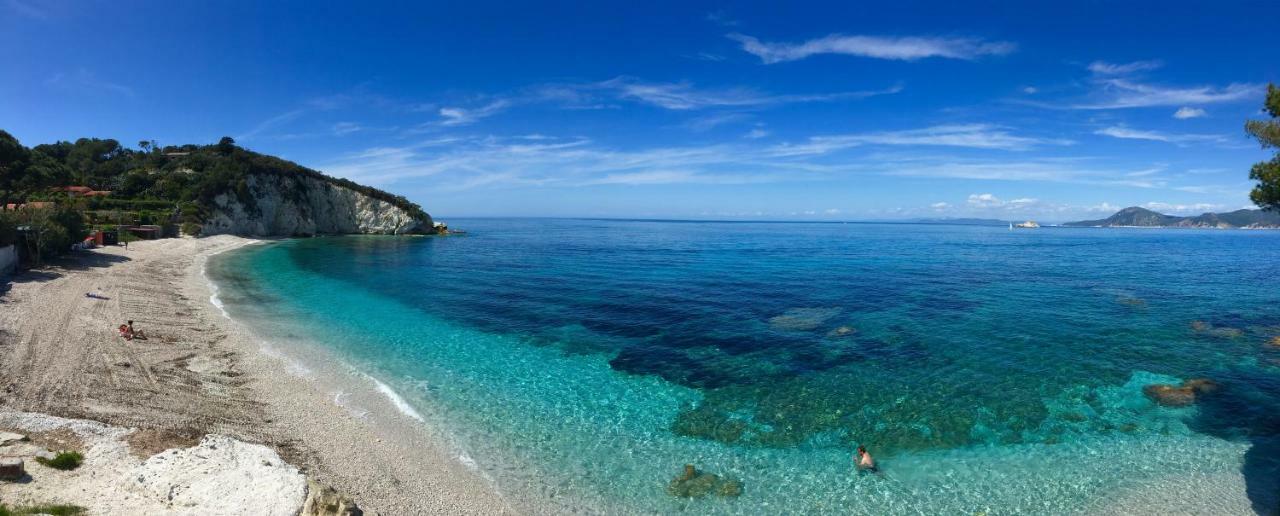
(277, 205)
(219, 476)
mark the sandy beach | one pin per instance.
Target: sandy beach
(200, 372)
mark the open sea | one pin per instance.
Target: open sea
(583, 363)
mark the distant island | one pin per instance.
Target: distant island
(1141, 217)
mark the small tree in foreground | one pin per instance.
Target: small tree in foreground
(1267, 193)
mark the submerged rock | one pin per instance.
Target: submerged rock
(730, 488)
(706, 422)
(1131, 301)
(1182, 395)
(691, 483)
(843, 331)
(1222, 332)
(802, 319)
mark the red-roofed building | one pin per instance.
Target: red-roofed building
(73, 190)
(32, 204)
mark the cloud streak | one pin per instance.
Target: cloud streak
(456, 116)
(84, 80)
(1105, 68)
(683, 96)
(877, 47)
(1127, 133)
(1184, 113)
(1124, 93)
(492, 162)
(26, 9)
(975, 136)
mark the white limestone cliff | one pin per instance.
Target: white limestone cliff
(298, 206)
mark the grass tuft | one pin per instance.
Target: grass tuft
(51, 510)
(66, 461)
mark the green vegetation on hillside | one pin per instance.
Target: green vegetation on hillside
(188, 177)
(150, 185)
(1267, 173)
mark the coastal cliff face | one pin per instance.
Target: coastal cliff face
(303, 206)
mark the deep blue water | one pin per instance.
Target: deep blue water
(588, 360)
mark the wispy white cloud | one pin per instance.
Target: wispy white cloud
(985, 200)
(497, 162)
(345, 128)
(666, 177)
(273, 122)
(86, 81)
(1123, 132)
(1184, 113)
(456, 116)
(706, 56)
(895, 48)
(977, 136)
(989, 205)
(1034, 170)
(1124, 93)
(1184, 209)
(756, 134)
(711, 121)
(722, 19)
(683, 96)
(26, 9)
(1105, 68)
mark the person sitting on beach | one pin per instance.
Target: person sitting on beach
(865, 462)
(136, 334)
(124, 332)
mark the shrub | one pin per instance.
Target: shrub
(54, 229)
(65, 460)
(190, 228)
(8, 229)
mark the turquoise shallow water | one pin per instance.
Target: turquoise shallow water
(581, 363)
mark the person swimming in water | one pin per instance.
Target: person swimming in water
(865, 462)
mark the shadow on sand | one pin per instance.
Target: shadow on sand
(56, 268)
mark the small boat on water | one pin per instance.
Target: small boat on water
(1030, 224)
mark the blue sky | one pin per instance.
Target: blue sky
(837, 111)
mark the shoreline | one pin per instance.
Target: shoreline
(202, 370)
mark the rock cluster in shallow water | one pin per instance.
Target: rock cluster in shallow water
(1222, 332)
(1179, 395)
(692, 483)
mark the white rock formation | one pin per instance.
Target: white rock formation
(220, 476)
(299, 205)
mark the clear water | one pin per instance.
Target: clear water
(581, 363)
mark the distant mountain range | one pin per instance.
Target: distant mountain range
(1142, 217)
